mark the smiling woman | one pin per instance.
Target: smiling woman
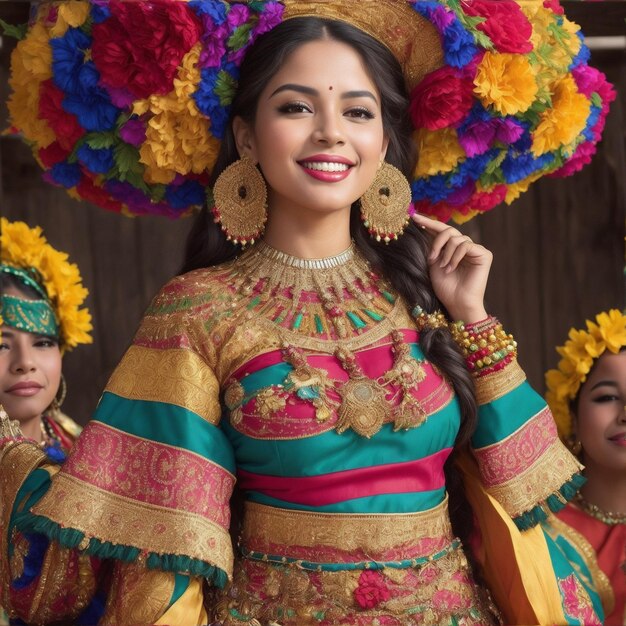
(39, 298)
(587, 394)
(322, 352)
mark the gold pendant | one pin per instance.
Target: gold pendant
(363, 407)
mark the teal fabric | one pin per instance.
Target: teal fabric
(566, 561)
(502, 417)
(29, 316)
(332, 452)
(411, 502)
(181, 583)
(168, 424)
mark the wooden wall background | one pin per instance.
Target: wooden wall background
(559, 249)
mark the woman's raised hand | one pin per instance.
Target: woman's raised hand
(459, 269)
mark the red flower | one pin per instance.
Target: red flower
(371, 590)
(140, 47)
(442, 99)
(554, 6)
(65, 125)
(505, 24)
(52, 154)
(96, 195)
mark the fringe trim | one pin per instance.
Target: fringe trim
(554, 502)
(75, 539)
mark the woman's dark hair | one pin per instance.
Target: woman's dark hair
(403, 263)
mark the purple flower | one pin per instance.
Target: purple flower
(271, 17)
(508, 130)
(214, 47)
(462, 194)
(120, 97)
(238, 15)
(133, 132)
(136, 200)
(477, 137)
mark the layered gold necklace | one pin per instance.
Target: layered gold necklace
(609, 518)
(331, 302)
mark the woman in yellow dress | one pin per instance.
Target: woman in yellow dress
(325, 369)
(587, 395)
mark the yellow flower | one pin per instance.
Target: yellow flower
(579, 352)
(514, 190)
(612, 329)
(25, 247)
(70, 13)
(178, 140)
(564, 121)
(506, 82)
(31, 63)
(439, 151)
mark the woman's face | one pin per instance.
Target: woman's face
(318, 134)
(30, 372)
(601, 415)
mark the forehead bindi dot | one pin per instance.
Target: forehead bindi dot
(330, 88)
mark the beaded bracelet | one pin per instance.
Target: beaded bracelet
(428, 320)
(485, 345)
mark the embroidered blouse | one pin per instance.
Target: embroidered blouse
(304, 383)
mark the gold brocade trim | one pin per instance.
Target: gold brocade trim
(72, 503)
(173, 376)
(16, 463)
(542, 479)
(490, 387)
(600, 580)
(373, 534)
(138, 595)
(392, 23)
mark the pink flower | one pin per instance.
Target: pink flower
(554, 6)
(442, 99)
(505, 24)
(371, 590)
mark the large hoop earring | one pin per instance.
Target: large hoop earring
(58, 400)
(240, 198)
(385, 205)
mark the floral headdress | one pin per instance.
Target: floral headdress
(126, 103)
(578, 354)
(25, 254)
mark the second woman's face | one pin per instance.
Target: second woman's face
(318, 134)
(30, 373)
(601, 416)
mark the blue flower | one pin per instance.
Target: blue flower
(592, 120)
(68, 56)
(516, 167)
(66, 174)
(583, 56)
(215, 9)
(188, 194)
(98, 161)
(208, 101)
(434, 188)
(79, 82)
(100, 13)
(458, 45)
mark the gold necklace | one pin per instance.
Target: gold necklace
(334, 298)
(609, 518)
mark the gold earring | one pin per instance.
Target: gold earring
(385, 205)
(58, 400)
(240, 197)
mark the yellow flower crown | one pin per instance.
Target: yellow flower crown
(26, 248)
(578, 355)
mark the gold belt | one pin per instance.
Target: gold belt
(285, 535)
